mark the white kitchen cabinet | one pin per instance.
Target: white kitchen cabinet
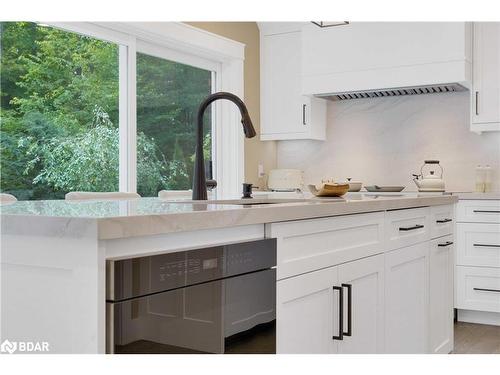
(478, 211)
(406, 227)
(477, 263)
(308, 309)
(393, 300)
(285, 112)
(441, 264)
(442, 220)
(485, 100)
(365, 278)
(363, 56)
(305, 313)
(478, 289)
(407, 299)
(308, 245)
(478, 244)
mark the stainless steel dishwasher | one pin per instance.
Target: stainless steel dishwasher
(219, 299)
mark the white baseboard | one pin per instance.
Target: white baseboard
(479, 317)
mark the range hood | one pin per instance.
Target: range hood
(382, 59)
(400, 91)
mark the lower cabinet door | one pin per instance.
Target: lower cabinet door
(364, 313)
(407, 299)
(305, 313)
(441, 295)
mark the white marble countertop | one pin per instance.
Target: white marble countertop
(150, 216)
(478, 196)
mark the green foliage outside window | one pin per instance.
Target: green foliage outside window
(59, 115)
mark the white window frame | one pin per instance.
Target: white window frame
(186, 44)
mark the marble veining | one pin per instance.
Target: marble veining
(152, 216)
(479, 196)
(102, 209)
(98, 209)
(383, 141)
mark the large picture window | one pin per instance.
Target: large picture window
(168, 96)
(59, 112)
(112, 107)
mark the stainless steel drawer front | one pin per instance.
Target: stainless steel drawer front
(228, 315)
(137, 277)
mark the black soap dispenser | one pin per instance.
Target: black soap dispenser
(247, 191)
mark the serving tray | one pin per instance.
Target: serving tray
(384, 189)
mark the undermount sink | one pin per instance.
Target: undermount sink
(255, 201)
(258, 201)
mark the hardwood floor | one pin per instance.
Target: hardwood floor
(476, 339)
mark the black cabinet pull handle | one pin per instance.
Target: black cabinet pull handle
(405, 229)
(443, 221)
(477, 103)
(341, 313)
(447, 243)
(349, 309)
(487, 290)
(487, 211)
(484, 245)
(304, 114)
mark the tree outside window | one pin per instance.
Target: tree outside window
(59, 95)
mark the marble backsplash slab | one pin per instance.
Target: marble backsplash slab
(383, 141)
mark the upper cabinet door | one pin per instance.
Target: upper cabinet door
(485, 101)
(285, 112)
(364, 279)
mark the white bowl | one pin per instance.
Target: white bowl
(354, 186)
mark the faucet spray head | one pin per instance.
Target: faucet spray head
(248, 128)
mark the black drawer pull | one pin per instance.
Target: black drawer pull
(487, 211)
(477, 103)
(304, 114)
(443, 221)
(484, 245)
(341, 313)
(487, 290)
(447, 243)
(349, 309)
(405, 229)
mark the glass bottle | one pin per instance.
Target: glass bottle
(487, 179)
(480, 177)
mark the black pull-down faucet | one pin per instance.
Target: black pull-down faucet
(199, 179)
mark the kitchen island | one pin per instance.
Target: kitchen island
(53, 255)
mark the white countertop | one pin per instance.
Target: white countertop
(150, 216)
(478, 196)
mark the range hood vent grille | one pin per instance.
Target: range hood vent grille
(415, 90)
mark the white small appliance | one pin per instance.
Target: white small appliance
(430, 182)
(285, 180)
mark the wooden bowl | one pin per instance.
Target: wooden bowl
(329, 190)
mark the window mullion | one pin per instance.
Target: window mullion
(128, 122)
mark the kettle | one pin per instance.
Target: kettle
(431, 181)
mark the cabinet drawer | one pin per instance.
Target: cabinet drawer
(406, 227)
(478, 211)
(478, 288)
(442, 220)
(478, 244)
(308, 245)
